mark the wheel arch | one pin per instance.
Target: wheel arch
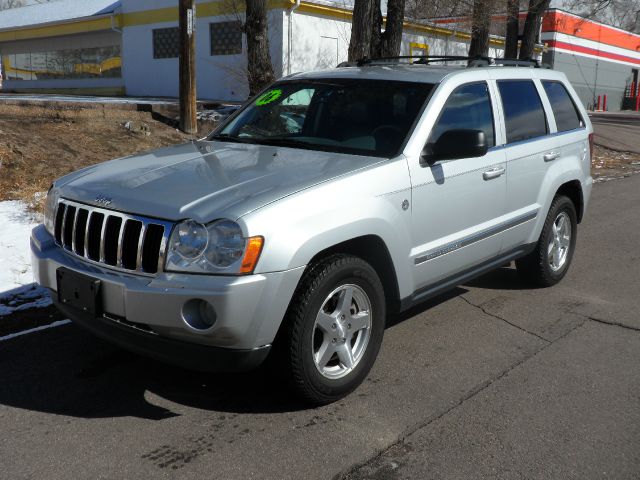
(373, 250)
(573, 190)
(369, 247)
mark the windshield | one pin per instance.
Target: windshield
(363, 117)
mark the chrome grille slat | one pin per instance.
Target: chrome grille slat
(143, 232)
(102, 232)
(136, 247)
(120, 238)
(64, 224)
(86, 235)
(163, 248)
(79, 234)
(67, 227)
(59, 220)
(73, 229)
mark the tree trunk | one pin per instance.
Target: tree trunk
(362, 29)
(531, 27)
(259, 67)
(480, 29)
(391, 39)
(511, 41)
(375, 25)
(367, 38)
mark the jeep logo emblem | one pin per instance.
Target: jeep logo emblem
(102, 200)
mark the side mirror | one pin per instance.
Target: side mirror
(453, 144)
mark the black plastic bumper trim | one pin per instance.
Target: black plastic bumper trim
(192, 356)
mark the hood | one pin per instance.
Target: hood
(205, 180)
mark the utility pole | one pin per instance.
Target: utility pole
(187, 15)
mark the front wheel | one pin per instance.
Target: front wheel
(550, 260)
(334, 328)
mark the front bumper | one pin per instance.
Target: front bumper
(145, 314)
(176, 352)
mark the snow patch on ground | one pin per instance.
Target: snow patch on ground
(17, 290)
(24, 298)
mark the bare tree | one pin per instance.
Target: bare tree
(389, 41)
(7, 4)
(619, 13)
(361, 31)
(368, 39)
(259, 66)
(511, 37)
(421, 9)
(532, 27)
(480, 24)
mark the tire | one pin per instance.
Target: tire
(541, 267)
(320, 329)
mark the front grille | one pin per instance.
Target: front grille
(119, 240)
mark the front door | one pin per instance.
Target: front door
(457, 203)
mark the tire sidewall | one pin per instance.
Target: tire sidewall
(361, 274)
(562, 204)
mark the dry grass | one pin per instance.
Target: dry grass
(608, 164)
(38, 145)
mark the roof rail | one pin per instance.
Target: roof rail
(419, 59)
(477, 61)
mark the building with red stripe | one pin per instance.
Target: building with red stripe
(598, 59)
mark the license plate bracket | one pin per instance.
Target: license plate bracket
(78, 291)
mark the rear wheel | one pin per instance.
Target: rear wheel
(550, 261)
(334, 328)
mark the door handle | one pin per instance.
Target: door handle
(493, 173)
(548, 157)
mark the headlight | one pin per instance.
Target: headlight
(51, 202)
(218, 247)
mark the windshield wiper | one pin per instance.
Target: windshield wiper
(282, 142)
(275, 141)
(225, 137)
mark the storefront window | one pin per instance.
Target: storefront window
(98, 62)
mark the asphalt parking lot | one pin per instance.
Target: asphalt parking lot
(617, 130)
(493, 380)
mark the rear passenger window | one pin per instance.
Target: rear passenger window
(468, 107)
(564, 110)
(523, 111)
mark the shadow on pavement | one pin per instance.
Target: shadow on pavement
(504, 278)
(423, 307)
(66, 371)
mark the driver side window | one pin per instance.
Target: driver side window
(468, 107)
(293, 110)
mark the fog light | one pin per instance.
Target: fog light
(199, 314)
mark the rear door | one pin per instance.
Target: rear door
(570, 140)
(527, 142)
(456, 203)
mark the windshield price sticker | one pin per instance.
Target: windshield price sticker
(268, 97)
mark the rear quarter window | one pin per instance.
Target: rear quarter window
(564, 110)
(523, 111)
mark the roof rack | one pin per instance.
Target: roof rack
(477, 61)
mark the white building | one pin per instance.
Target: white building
(131, 46)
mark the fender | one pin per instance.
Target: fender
(551, 184)
(298, 227)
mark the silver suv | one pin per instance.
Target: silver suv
(327, 203)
